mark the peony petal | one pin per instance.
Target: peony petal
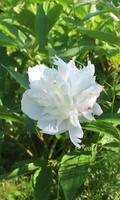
(35, 73)
(89, 70)
(86, 99)
(71, 66)
(82, 79)
(52, 127)
(88, 116)
(29, 106)
(76, 134)
(83, 119)
(64, 69)
(97, 109)
(60, 63)
(74, 120)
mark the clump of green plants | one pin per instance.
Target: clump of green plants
(20, 188)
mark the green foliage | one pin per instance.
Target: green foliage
(42, 183)
(18, 77)
(16, 189)
(72, 173)
(48, 167)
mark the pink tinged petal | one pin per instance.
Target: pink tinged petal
(76, 134)
(97, 109)
(36, 73)
(86, 99)
(29, 106)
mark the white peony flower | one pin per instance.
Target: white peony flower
(60, 99)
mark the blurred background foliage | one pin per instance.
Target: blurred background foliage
(41, 167)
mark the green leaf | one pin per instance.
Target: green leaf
(53, 15)
(18, 77)
(70, 52)
(41, 26)
(6, 114)
(24, 167)
(13, 32)
(26, 18)
(107, 37)
(44, 23)
(92, 14)
(6, 40)
(112, 118)
(42, 183)
(72, 173)
(113, 9)
(103, 127)
(112, 146)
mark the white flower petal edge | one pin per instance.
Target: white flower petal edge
(118, 111)
(35, 73)
(29, 106)
(76, 134)
(60, 99)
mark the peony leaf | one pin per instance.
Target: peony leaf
(23, 167)
(104, 36)
(6, 114)
(53, 15)
(42, 183)
(18, 77)
(73, 172)
(41, 26)
(113, 118)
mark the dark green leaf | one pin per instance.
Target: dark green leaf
(18, 77)
(72, 173)
(103, 127)
(6, 114)
(24, 167)
(107, 37)
(26, 18)
(112, 118)
(112, 146)
(42, 183)
(53, 15)
(6, 40)
(41, 26)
